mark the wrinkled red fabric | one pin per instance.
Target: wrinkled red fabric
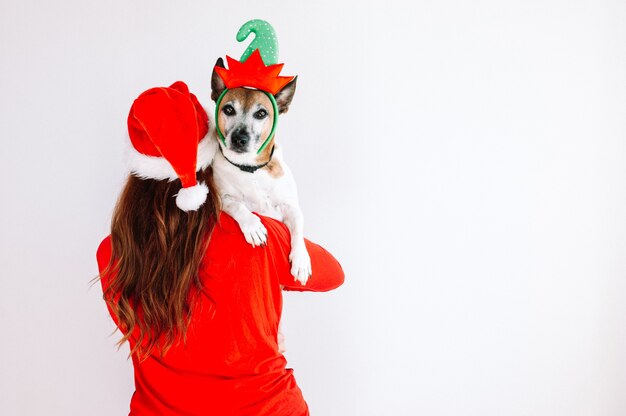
(231, 364)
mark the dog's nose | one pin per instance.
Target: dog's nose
(240, 138)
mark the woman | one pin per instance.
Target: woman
(199, 306)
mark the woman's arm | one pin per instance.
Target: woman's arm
(103, 256)
(327, 272)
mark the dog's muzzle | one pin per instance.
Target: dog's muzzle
(239, 140)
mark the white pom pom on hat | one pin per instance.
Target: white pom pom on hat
(168, 130)
(191, 198)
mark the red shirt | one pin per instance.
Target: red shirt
(231, 364)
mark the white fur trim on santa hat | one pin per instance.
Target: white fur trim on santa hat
(156, 167)
(190, 199)
(206, 150)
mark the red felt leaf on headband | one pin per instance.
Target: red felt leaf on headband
(253, 73)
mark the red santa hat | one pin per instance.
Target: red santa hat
(167, 129)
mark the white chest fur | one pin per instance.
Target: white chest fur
(259, 191)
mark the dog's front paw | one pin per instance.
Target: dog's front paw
(300, 264)
(254, 231)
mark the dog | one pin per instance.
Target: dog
(248, 181)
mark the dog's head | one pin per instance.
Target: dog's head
(246, 116)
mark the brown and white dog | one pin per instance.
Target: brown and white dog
(249, 182)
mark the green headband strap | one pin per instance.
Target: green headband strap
(217, 124)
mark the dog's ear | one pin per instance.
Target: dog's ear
(217, 84)
(284, 96)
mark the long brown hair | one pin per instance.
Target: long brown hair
(158, 249)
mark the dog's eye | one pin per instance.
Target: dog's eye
(228, 110)
(260, 115)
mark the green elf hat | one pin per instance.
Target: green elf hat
(256, 69)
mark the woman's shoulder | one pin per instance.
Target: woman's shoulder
(228, 242)
(228, 225)
(103, 253)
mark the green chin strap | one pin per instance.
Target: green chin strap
(217, 124)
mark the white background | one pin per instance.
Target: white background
(465, 162)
